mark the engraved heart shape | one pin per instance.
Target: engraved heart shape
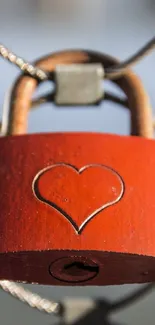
(78, 194)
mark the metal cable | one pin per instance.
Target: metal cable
(32, 299)
(22, 64)
(48, 98)
(124, 302)
(120, 68)
(110, 72)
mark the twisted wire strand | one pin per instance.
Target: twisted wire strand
(22, 64)
(51, 307)
(31, 299)
(110, 72)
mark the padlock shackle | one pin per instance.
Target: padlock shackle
(140, 109)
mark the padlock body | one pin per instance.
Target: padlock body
(77, 209)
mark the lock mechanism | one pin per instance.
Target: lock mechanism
(77, 208)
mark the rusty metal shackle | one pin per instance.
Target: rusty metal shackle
(21, 97)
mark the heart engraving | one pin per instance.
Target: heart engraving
(78, 194)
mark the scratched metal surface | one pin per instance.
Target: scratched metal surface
(33, 28)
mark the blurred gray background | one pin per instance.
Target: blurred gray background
(33, 28)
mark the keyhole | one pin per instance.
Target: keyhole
(77, 268)
(74, 269)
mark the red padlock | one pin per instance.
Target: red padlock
(77, 208)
